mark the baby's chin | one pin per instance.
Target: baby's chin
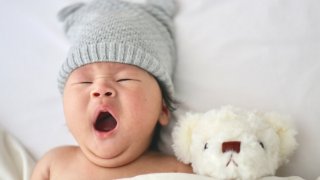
(117, 159)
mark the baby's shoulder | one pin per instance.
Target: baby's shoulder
(61, 153)
(53, 158)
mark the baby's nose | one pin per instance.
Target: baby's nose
(231, 146)
(103, 91)
(97, 94)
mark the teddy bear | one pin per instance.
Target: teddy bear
(231, 143)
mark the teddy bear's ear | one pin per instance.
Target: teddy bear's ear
(182, 136)
(286, 133)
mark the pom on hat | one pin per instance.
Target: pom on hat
(65, 12)
(122, 32)
(169, 6)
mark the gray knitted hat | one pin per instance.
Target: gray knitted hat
(123, 32)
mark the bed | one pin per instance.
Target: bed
(254, 54)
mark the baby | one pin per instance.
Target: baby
(117, 91)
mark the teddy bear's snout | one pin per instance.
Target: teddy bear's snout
(231, 146)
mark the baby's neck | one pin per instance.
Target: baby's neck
(122, 159)
(142, 165)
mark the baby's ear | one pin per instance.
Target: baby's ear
(165, 115)
(182, 136)
(286, 133)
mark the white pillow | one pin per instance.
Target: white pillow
(260, 55)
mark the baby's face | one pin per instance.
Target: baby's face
(112, 109)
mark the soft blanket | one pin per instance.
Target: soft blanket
(184, 176)
(15, 161)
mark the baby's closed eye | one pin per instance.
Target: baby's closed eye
(81, 82)
(127, 79)
(124, 79)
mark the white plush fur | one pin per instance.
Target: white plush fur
(214, 127)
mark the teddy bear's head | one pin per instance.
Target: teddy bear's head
(231, 143)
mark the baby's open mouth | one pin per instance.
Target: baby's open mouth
(105, 122)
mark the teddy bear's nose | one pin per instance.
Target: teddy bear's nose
(231, 146)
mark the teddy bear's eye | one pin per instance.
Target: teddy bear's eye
(261, 144)
(206, 146)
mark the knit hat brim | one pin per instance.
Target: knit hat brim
(113, 52)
